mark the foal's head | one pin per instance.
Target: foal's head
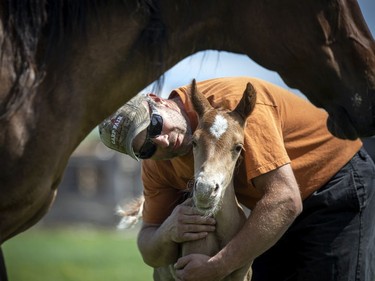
(217, 144)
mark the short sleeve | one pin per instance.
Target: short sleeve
(161, 195)
(264, 145)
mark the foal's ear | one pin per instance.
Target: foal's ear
(247, 102)
(200, 102)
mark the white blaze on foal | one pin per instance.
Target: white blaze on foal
(219, 126)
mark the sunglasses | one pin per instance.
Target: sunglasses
(153, 130)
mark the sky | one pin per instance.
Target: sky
(213, 64)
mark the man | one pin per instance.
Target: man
(311, 195)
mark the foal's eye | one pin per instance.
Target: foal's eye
(238, 148)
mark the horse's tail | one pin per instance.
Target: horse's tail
(131, 213)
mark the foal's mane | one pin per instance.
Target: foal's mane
(28, 25)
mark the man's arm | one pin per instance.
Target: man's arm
(158, 244)
(279, 206)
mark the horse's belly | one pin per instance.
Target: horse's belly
(23, 210)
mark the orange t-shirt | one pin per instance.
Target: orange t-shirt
(283, 128)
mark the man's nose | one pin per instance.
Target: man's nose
(161, 140)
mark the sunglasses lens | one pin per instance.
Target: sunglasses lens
(154, 129)
(156, 126)
(147, 150)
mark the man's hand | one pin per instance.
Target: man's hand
(159, 243)
(196, 267)
(186, 223)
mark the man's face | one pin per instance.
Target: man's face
(174, 139)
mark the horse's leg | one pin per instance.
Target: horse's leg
(3, 271)
(242, 274)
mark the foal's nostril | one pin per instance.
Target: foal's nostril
(216, 187)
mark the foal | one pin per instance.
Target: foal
(217, 144)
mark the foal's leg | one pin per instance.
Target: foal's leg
(164, 273)
(242, 274)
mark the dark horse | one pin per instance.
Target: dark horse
(66, 65)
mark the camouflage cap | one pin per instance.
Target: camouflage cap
(119, 130)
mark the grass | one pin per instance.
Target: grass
(74, 255)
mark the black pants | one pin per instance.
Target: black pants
(3, 272)
(334, 237)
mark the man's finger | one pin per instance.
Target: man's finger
(196, 228)
(181, 262)
(197, 219)
(193, 236)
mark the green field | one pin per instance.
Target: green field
(73, 254)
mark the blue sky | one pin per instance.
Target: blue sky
(211, 64)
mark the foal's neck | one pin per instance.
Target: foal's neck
(230, 217)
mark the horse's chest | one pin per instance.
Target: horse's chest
(209, 245)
